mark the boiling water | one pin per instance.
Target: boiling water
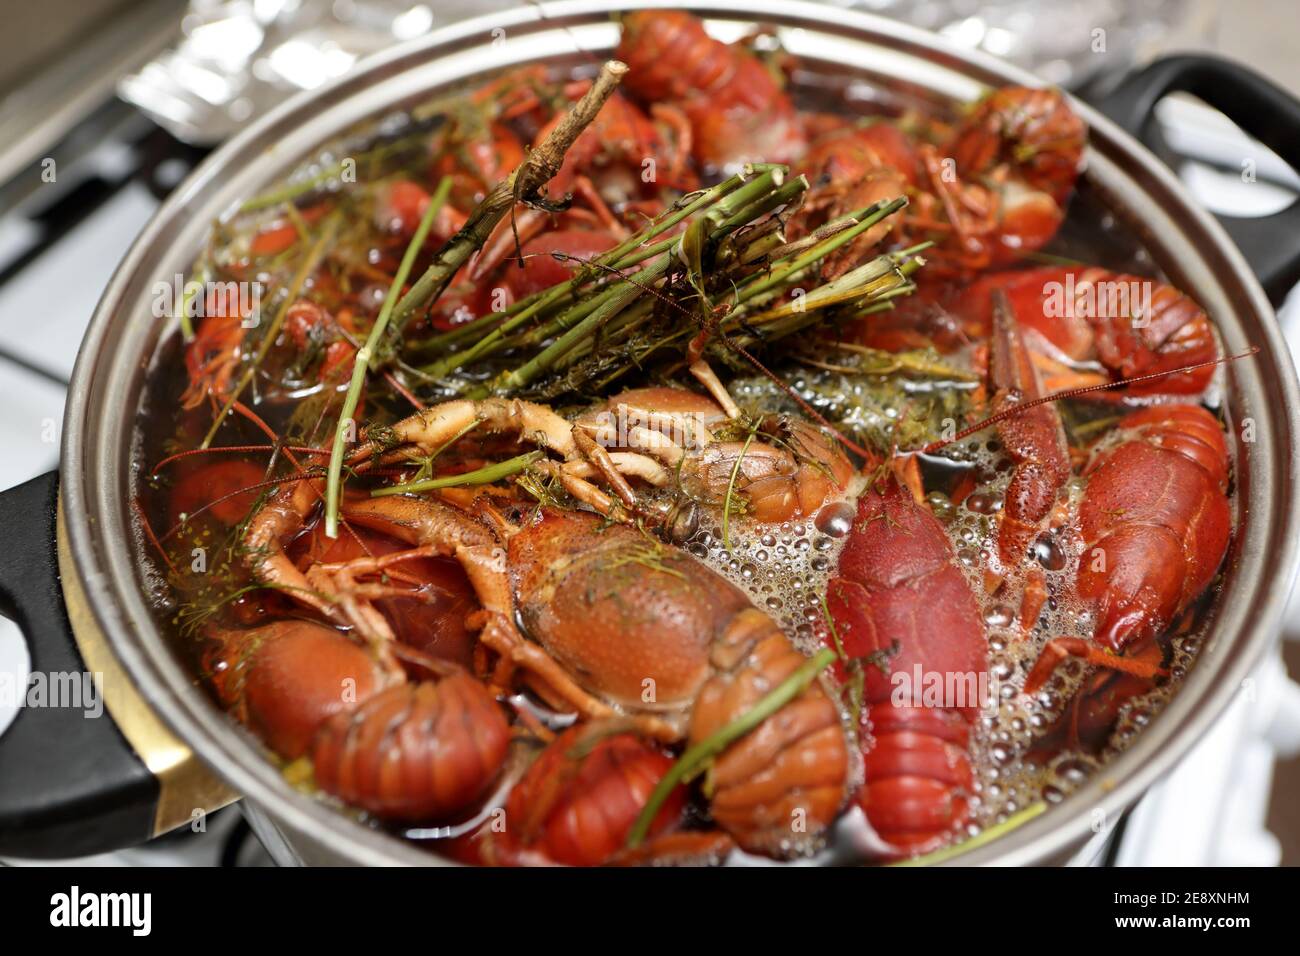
(783, 568)
(786, 569)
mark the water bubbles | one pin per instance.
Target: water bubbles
(783, 568)
(1072, 770)
(1049, 553)
(941, 505)
(785, 571)
(834, 519)
(999, 616)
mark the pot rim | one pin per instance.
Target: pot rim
(1244, 620)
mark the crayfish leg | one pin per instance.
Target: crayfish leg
(1034, 438)
(1061, 649)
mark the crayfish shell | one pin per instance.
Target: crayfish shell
(779, 787)
(285, 679)
(579, 799)
(414, 752)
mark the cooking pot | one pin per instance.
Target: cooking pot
(69, 576)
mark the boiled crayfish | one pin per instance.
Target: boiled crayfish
(508, 648)
(595, 618)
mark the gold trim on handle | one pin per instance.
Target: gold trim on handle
(185, 784)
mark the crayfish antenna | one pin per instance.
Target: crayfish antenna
(1022, 407)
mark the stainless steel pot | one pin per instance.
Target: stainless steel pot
(106, 785)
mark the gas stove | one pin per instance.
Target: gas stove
(61, 237)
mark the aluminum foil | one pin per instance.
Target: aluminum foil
(1066, 42)
(235, 59)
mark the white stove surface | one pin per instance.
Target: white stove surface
(1209, 811)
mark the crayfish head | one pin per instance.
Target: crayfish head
(284, 679)
(628, 617)
(788, 471)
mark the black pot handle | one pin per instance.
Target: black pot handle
(1271, 244)
(70, 783)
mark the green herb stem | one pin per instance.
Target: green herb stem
(361, 364)
(187, 325)
(866, 218)
(302, 187)
(627, 292)
(987, 835)
(524, 184)
(479, 476)
(697, 757)
(731, 487)
(308, 266)
(731, 194)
